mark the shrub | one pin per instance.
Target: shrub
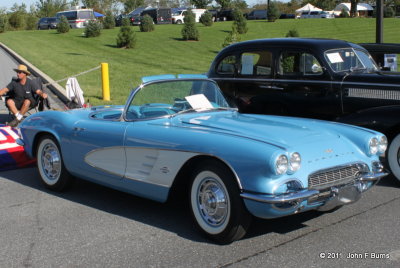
(126, 37)
(189, 30)
(273, 12)
(17, 20)
(109, 21)
(344, 14)
(147, 24)
(3, 24)
(93, 29)
(125, 22)
(63, 25)
(240, 21)
(206, 19)
(233, 36)
(30, 22)
(292, 33)
(388, 12)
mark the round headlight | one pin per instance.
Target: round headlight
(383, 143)
(373, 146)
(294, 162)
(281, 164)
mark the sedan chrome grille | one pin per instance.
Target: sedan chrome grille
(332, 177)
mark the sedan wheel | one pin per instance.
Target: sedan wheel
(394, 156)
(50, 165)
(217, 208)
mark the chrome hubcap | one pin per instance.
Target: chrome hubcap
(212, 202)
(51, 162)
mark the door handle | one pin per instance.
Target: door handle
(79, 129)
(272, 87)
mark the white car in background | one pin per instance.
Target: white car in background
(177, 17)
(316, 15)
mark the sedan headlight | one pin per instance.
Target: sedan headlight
(281, 164)
(383, 143)
(373, 146)
(294, 162)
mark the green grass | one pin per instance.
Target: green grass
(163, 51)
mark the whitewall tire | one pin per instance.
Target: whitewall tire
(216, 206)
(393, 156)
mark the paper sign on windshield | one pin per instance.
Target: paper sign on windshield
(247, 64)
(334, 57)
(199, 101)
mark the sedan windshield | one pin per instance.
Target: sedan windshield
(167, 98)
(343, 60)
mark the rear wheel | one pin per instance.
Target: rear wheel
(393, 156)
(50, 164)
(216, 206)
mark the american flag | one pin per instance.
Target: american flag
(12, 155)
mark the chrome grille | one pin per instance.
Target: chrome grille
(332, 177)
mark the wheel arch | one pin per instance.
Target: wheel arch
(37, 138)
(182, 180)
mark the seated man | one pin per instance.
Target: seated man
(21, 95)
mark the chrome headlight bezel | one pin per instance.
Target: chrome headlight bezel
(294, 162)
(373, 144)
(281, 164)
(383, 144)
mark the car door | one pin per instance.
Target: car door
(305, 86)
(96, 148)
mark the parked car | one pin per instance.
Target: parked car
(258, 14)
(316, 78)
(179, 15)
(225, 14)
(119, 18)
(159, 15)
(287, 16)
(316, 15)
(48, 23)
(77, 17)
(385, 55)
(179, 135)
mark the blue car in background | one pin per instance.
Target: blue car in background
(180, 132)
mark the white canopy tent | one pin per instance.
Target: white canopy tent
(362, 8)
(308, 7)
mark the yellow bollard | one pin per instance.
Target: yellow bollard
(106, 81)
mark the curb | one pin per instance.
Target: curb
(58, 90)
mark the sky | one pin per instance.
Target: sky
(9, 3)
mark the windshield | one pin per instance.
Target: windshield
(349, 59)
(169, 98)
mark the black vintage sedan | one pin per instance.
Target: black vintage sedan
(316, 78)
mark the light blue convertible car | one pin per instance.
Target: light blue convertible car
(179, 132)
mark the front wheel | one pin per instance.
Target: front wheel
(216, 206)
(50, 165)
(393, 156)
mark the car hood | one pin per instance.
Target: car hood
(278, 130)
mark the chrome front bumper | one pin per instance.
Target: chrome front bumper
(330, 197)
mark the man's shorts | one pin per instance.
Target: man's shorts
(19, 102)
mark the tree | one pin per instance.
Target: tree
(93, 29)
(109, 21)
(130, 5)
(3, 23)
(240, 21)
(49, 8)
(353, 8)
(63, 26)
(239, 4)
(292, 33)
(272, 12)
(233, 37)
(147, 24)
(189, 30)
(126, 37)
(206, 19)
(225, 4)
(200, 3)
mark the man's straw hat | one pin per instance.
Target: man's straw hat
(22, 68)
